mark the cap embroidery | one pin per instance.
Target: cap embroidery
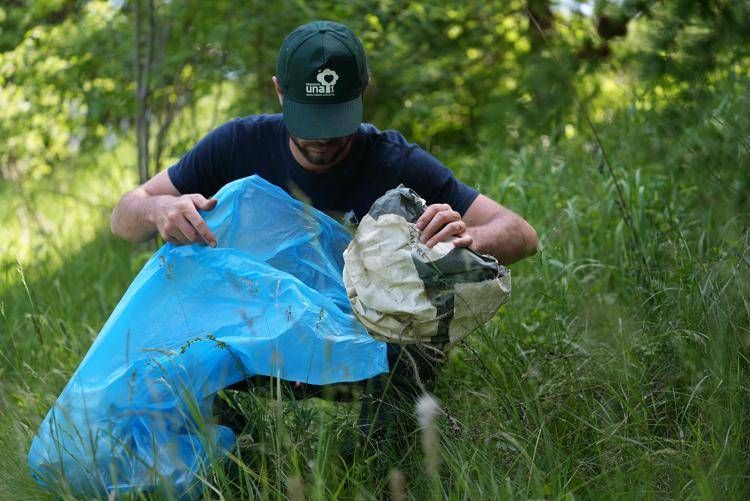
(326, 79)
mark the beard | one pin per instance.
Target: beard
(323, 151)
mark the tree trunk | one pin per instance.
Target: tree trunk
(144, 57)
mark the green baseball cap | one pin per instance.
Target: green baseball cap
(322, 72)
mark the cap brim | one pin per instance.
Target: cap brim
(322, 121)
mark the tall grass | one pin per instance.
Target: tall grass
(618, 369)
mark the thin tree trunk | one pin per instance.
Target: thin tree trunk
(143, 64)
(171, 113)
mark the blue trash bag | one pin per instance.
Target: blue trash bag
(268, 300)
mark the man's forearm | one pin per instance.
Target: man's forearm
(132, 218)
(508, 238)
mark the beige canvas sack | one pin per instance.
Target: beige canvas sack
(404, 292)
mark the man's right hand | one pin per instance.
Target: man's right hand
(178, 221)
(157, 206)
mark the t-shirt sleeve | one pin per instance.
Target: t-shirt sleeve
(208, 165)
(435, 182)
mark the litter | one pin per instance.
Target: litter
(405, 292)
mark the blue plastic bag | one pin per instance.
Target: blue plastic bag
(268, 300)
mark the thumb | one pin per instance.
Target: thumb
(202, 203)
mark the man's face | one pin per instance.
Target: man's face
(323, 151)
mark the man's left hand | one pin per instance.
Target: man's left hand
(440, 223)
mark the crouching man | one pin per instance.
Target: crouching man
(319, 150)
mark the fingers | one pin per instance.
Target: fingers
(181, 223)
(200, 226)
(463, 241)
(177, 230)
(439, 219)
(188, 231)
(440, 223)
(447, 232)
(171, 233)
(429, 213)
(201, 203)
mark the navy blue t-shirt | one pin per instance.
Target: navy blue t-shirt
(377, 162)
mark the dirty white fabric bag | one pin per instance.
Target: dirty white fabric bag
(404, 292)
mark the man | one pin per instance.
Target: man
(319, 150)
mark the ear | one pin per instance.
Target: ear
(278, 90)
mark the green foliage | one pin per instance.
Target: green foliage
(682, 38)
(620, 367)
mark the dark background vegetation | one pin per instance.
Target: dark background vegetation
(619, 129)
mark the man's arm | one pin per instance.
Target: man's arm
(498, 231)
(157, 206)
(487, 227)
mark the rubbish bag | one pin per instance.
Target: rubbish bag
(405, 292)
(268, 300)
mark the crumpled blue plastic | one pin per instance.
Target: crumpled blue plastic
(268, 300)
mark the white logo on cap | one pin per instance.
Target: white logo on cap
(326, 79)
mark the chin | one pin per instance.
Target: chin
(319, 161)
